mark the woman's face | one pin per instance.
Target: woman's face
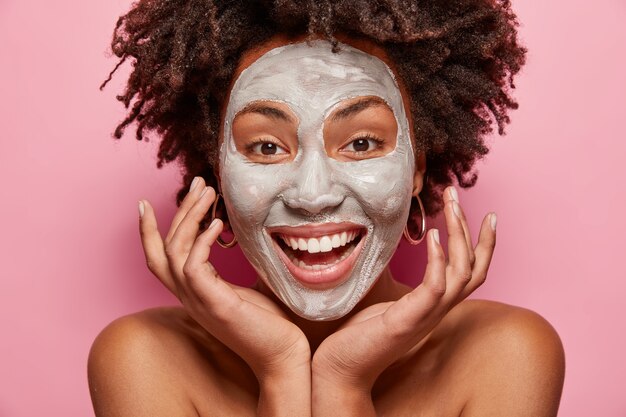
(317, 171)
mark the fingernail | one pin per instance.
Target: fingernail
(204, 191)
(454, 194)
(213, 223)
(457, 209)
(493, 220)
(141, 208)
(193, 183)
(436, 235)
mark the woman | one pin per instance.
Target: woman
(323, 126)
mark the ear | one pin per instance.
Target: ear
(420, 171)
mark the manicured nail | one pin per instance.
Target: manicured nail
(142, 209)
(436, 235)
(457, 209)
(493, 220)
(194, 183)
(454, 194)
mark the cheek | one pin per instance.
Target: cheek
(250, 190)
(383, 187)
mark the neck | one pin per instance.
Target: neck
(385, 289)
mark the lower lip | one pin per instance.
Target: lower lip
(322, 279)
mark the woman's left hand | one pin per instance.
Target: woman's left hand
(350, 360)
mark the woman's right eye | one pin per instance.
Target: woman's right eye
(265, 148)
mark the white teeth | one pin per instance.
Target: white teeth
(313, 245)
(326, 244)
(344, 238)
(321, 244)
(317, 267)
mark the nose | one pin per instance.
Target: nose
(313, 189)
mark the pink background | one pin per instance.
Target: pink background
(71, 258)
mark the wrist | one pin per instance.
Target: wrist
(284, 377)
(286, 393)
(326, 382)
(340, 397)
(343, 377)
(295, 363)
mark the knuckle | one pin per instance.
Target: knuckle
(464, 273)
(438, 256)
(480, 279)
(397, 328)
(401, 331)
(171, 249)
(152, 266)
(190, 269)
(436, 290)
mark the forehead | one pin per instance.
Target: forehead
(310, 76)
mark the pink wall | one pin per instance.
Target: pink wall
(71, 259)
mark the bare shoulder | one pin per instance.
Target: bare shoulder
(485, 359)
(160, 362)
(514, 357)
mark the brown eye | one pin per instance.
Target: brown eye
(266, 148)
(360, 145)
(363, 144)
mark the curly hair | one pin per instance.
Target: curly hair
(456, 59)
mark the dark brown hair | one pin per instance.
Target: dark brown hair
(456, 58)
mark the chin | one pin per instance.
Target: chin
(321, 271)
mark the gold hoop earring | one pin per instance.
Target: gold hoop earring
(220, 242)
(411, 226)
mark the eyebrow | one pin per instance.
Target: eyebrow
(358, 107)
(266, 110)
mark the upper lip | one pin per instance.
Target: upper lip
(314, 229)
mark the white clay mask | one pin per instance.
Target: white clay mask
(318, 229)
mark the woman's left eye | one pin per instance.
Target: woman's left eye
(363, 144)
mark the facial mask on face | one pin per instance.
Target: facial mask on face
(358, 208)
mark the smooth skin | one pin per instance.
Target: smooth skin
(425, 353)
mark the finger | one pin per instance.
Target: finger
(484, 254)
(435, 274)
(410, 311)
(458, 272)
(183, 239)
(201, 249)
(153, 247)
(195, 190)
(202, 277)
(452, 195)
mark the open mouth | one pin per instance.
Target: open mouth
(319, 257)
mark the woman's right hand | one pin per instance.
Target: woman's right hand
(244, 320)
